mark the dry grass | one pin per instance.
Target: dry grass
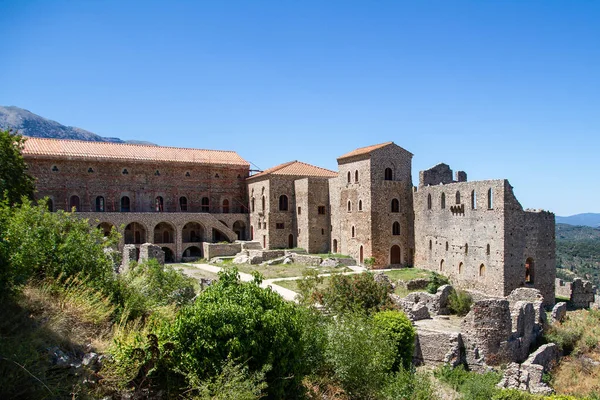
(579, 373)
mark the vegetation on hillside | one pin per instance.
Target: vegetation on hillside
(578, 252)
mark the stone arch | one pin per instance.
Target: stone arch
(349, 206)
(283, 203)
(349, 177)
(388, 174)
(134, 233)
(192, 232)
(395, 255)
(239, 227)
(74, 203)
(106, 227)
(360, 205)
(356, 176)
(224, 223)
(396, 228)
(164, 232)
(218, 236)
(395, 206)
(529, 270)
(183, 204)
(335, 246)
(482, 270)
(192, 252)
(169, 255)
(100, 204)
(125, 204)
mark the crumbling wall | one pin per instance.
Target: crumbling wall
(149, 251)
(212, 250)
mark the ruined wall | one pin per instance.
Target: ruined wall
(439, 174)
(383, 216)
(142, 182)
(454, 240)
(314, 229)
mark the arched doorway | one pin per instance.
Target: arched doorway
(239, 227)
(192, 252)
(529, 270)
(395, 255)
(105, 228)
(192, 232)
(74, 203)
(169, 256)
(164, 233)
(219, 236)
(134, 233)
(291, 241)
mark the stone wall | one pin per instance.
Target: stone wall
(212, 250)
(314, 229)
(149, 251)
(581, 293)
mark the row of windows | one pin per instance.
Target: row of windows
(461, 268)
(388, 175)
(125, 171)
(487, 249)
(284, 205)
(529, 269)
(125, 204)
(395, 206)
(490, 200)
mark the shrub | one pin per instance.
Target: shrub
(471, 385)
(360, 355)
(513, 394)
(355, 292)
(245, 323)
(566, 337)
(399, 329)
(459, 302)
(406, 384)
(435, 281)
(233, 382)
(308, 287)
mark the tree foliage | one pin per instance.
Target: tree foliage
(399, 329)
(355, 292)
(15, 183)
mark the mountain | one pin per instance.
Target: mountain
(30, 124)
(587, 219)
(578, 252)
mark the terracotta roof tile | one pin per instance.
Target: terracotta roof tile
(297, 168)
(58, 148)
(364, 150)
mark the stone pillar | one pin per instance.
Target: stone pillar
(151, 251)
(129, 254)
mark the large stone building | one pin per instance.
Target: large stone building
(475, 232)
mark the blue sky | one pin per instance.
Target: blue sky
(500, 89)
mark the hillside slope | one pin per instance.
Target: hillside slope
(578, 251)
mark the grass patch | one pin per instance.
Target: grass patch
(284, 271)
(331, 255)
(293, 284)
(407, 274)
(194, 272)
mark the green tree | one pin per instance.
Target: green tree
(355, 292)
(14, 180)
(399, 329)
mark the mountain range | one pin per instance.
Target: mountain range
(29, 124)
(586, 219)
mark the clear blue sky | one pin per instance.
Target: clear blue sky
(500, 89)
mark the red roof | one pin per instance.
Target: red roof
(364, 150)
(297, 168)
(78, 149)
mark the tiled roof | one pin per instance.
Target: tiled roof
(297, 168)
(78, 149)
(364, 150)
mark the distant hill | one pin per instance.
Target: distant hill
(30, 124)
(578, 252)
(587, 219)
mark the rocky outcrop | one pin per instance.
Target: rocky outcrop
(528, 375)
(559, 312)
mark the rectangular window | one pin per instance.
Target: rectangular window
(322, 210)
(279, 225)
(299, 210)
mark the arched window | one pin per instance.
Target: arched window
(225, 206)
(183, 204)
(349, 206)
(395, 255)
(388, 174)
(356, 176)
(482, 270)
(50, 205)
(74, 203)
(263, 203)
(335, 249)
(490, 199)
(395, 206)
(205, 205)
(429, 201)
(99, 204)
(457, 197)
(460, 268)
(473, 200)
(361, 255)
(159, 204)
(529, 270)
(466, 248)
(349, 175)
(396, 228)
(125, 204)
(360, 205)
(252, 204)
(283, 203)
(442, 265)
(443, 201)
(353, 232)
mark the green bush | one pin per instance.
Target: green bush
(245, 323)
(406, 384)
(564, 336)
(234, 382)
(459, 302)
(399, 329)
(471, 385)
(435, 281)
(360, 355)
(513, 394)
(358, 292)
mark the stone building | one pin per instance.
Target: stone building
(174, 197)
(289, 207)
(372, 205)
(478, 234)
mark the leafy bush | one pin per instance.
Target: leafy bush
(513, 394)
(435, 281)
(355, 292)
(360, 355)
(245, 323)
(233, 382)
(459, 302)
(406, 384)
(308, 287)
(471, 385)
(566, 337)
(399, 329)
